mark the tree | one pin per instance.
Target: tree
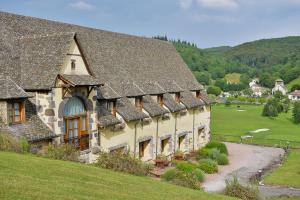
(270, 110)
(214, 90)
(202, 77)
(295, 87)
(296, 112)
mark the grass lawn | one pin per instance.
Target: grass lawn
(232, 121)
(233, 78)
(293, 82)
(288, 174)
(30, 177)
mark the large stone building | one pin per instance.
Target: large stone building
(64, 83)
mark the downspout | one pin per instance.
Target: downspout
(135, 136)
(175, 132)
(193, 129)
(156, 145)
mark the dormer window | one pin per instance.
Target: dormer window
(160, 100)
(177, 97)
(16, 112)
(198, 94)
(138, 103)
(112, 107)
(73, 64)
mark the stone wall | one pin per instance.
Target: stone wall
(3, 113)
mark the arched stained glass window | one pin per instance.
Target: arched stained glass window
(74, 106)
(75, 123)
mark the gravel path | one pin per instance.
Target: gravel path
(275, 191)
(245, 162)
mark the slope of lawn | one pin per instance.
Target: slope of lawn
(31, 177)
(233, 78)
(239, 121)
(293, 82)
(288, 174)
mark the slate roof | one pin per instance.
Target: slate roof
(126, 109)
(295, 93)
(41, 58)
(33, 129)
(106, 92)
(152, 107)
(171, 104)
(204, 97)
(151, 87)
(105, 117)
(112, 57)
(10, 90)
(80, 80)
(189, 100)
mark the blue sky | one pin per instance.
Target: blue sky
(207, 23)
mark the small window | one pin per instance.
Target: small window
(177, 97)
(198, 94)
(73, 64)
(160, 100)
(139, 103)
(111, 106)
(15, 112)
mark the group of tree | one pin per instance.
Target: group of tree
(277, 104)
(296, 112)
(264, 59)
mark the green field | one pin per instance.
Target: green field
(228, 123)
(233, 78)
(288, 174)
(293, 82)
(31, 177)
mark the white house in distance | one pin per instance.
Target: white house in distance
(295, 96)
(256, 88)
(279, 86)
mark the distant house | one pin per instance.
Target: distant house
(279, 86)
(295, 95)
(98, 90)
(256, 88)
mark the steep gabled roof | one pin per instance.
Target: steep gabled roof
(41, 57)
(204, 97)
(189, 100)
(112, 57)
(151, 87)
(10, 90)
(171, 104)
(105, 117)
(152, 107)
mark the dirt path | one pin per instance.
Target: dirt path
(245, 161)
(275, 191)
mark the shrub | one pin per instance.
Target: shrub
(25, 147)
(219, 145)
(214, 153)
(11, 143)
(185, 166)
(222, 159)
(203, 153)
(214, 90)
(199, 174)
(60, 152)
(208, 166)
(185, 179)
(170, 174)
(123, 162)
(296, 112)
(235, 189)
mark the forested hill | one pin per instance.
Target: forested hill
(267, 59)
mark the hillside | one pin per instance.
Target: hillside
(267, 59)
(30, 177)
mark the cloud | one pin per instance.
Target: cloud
(81, 5)
(219, 4)
(185, 4)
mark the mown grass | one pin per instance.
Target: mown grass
(233, 77)
(30, 177)
(288, 174)
(231, 121)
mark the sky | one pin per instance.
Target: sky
(208, 23)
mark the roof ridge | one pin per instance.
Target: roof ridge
(33, 36)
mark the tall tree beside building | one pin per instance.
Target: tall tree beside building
(296, 112)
